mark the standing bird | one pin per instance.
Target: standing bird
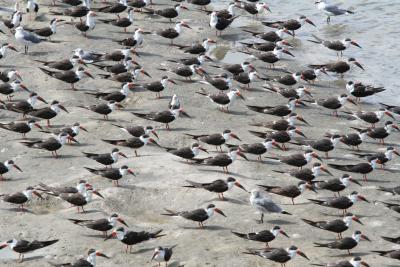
(291, 24)
(72, 131)
(130, 238)
(3, 49)
(363, 168)
(264, 204)
(21, 198)
(113, 174)
(298, 159)
(48, 113)
(133, 142)
(331, 9)
(9, 88)
(138, 131)
(57, 190)
(391, 254)
(23, 106)
(10, 75)
(278, 255)
(381, 132)
(258, 148)
(291, 191)
(15, 20)
(26, 38)
(342, 203)
(115, 8)
(335, 103)
(371, 117)
(169, 12)
(65, 64)
(158, 86)
(338, 46)
(282, 124)
(323, 145)
(106, 159)
(198, 215)
(102, 225)
(68, 76)
(187, 152)
(80, 199)
(280, 136)
(217, 139)
(51, 144)
(121, 22)
(219, 23)
(165, 117)
(383, 157)
(346, 243)
(88, 25)
(272, 36)
(104, 109)
(339, 67)
(218, 186)
(354, 262)
(280, 110)
(6, 167)
(32, 6)
(198, 48)
(359, 90)
(306, 174)
(336, 185)
(172, 33)
(254, 9)
(76, 12)
(22, 246)
(20, 127)
(264, 236)
(162, 254)
(46, 32)
(337, 226)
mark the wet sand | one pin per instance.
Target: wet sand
(159, 175)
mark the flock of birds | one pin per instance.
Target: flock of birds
(269, 47)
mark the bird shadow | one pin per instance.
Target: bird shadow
(235, 112)
(207, 227)
(359, 254)
(39, 53)
(19, 210)
(176, 129)
(33, 258)
(59, 157)
(279, 222)
(142, 250)
(226, 199)
(94, 235)
(231, 173)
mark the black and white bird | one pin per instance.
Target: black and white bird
(90, 260)
(337, 46)
(264, 236)
(3, 49)
(219, 23)
(162, 254)
(22, 247)
(224, 101)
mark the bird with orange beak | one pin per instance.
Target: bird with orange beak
(21, 198)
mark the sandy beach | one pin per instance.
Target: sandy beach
(140, 200)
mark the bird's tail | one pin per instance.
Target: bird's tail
(76, 221)
(30, 144)
(395, 240)
(140, 115)
(385, 189)
(105, 76)
(90, 169)
(349, 12)
(380, 252)
(239, 235)
(320, 245)
(267, 187)
(113, 142)
(386, 106)
(55, 13)
(338, 167)
(156, 234)
(48, 72)
(312, 223)
(316, 201)
(192, 184)
(256, 108)
(170, 213)
(251, 32)
(48, 243)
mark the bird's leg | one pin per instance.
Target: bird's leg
(136, 154)
(284, 146)
(48, 123)
(267, 245)
(259, 158)
(338, 194)
(130, 249)
(1, 177)
(326, 155)
(117, 183)
(167, 126)
(222, 196)
(72, 86)
(126, 250)
(365, 177)
(348, 251)
(55, 152)
(77, 207)
(83, 210)
(292, 201)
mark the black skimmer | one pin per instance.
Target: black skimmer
(162, 254)
(118, 68)
(90, 260)
(391, 108)
(311, 75)
(201, 3)
(291, 191)
(48, 113)
(14, 21)
(218, 186)
(298, 159)
(363, 168)
(113, 174)
(392, 206)
(20, 127)
(80, 199)
(26, 38)
(23, 246)
(65, 64)
(186, 71)
(130, 238)
(165, 117)
(335, 103)
(104, 109)
(291, 24)
(324, 145)
(221, 82)
(264, 236)
(10, 75)
(216, 140)
(336, 185)
(272, 36)
(169, 12)
(198, 48)
(354, 262)
(383, 157)
(51, 144)
(331, 9)
(68, 76)
(339, 67)
(57, 190)
(224, 101)
(199, 60)
(219, 23)
(381, 132)
(306, 174)
(337, 226)
(280, 110)
(139, 4)
(246, 78)
(360, 90)
(118, 55)
(107, 159)
(267, 46)
(258, 148)
(126, 77)
(21, 198)
(158, 86)
(342, 203)
(133, 142)
(346, 243)
(88, 25)
(226, 13)
(6, 167)
(254, 9)
(70, 2)
(116, 8)
(172, 33)
(245, 66)
(72, 131)
(395, 240)
(117, 96)
(121, 22)
(338, 46)
(3, 49)
(288, 79)
(222, 160)
(392, 190)
(283, 124)
(102, 225)
(174, 103)
(278, 255)
(138, 131)
(280, 136)
(297, 93)
(46, 31)
(9, 88)
(264, 204)
(371, 117)
(198, 215)
(76, 12)
(352, 139)
(23, 106)
(392, 254)
(32, 6)
(187, 152)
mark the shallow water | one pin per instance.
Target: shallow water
(374, 26)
